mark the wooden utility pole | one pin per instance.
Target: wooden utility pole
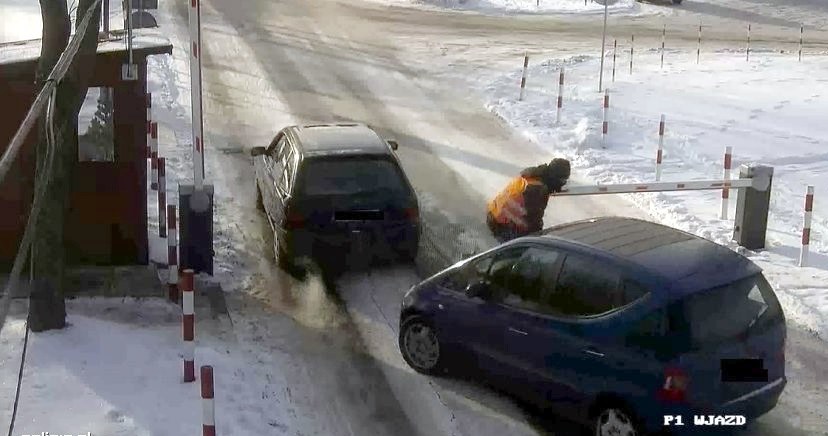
(47, 309)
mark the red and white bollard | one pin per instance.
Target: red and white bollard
(208, 406)
(801, 32)
(663, 37)
(154, 156)
(747, 59)
(523, 77)
(660, 153)
(605, 123)
(172, 254)
(188, 321)
(632, 52)
(149, 124)
(560, 96)
(698, 48)
(162, 197)
(806, 227)
(614, 51)
(726, 179)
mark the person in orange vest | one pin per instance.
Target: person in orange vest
(518, 209)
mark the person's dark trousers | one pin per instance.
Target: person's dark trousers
(500, 232)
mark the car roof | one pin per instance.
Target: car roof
(688, 262)
(339, 139)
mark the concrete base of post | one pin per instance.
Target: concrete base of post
(752, 207)
(195, 231)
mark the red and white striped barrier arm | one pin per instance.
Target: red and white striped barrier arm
(632, 52)
(560, 96)
(188, 321)
(748, 45)
(149, 124)
(523, 77)
(162, 197)
(172, 254)
(726, 177)
(806, 227)
(208, 406)
(660, 153)
(195, 89)
(801, 31)
(629, 188)
(154, 156)
(605, 123)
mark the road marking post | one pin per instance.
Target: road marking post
(605, 123)
(154, 156)
(659, 154)
(172, 254)
(806, 226)
(663, 37)
(560, 96)
(162, 197)
(726, 178)
(208, 406)
(188, 323)
(523, 77)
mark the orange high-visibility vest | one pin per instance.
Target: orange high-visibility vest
(508, 207)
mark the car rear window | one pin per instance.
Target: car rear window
(350, 175)
(731, 311)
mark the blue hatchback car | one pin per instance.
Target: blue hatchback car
(612, 322)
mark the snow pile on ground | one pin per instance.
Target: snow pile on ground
(529, 6)
(768, 110)
(117, 370)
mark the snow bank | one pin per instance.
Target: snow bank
(768, 110)
(528, 6)
(117, 371)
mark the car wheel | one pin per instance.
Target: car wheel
(616, 421)
(420, 346)
(259, 199)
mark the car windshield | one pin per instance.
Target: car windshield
(731, 311)
(349, 176)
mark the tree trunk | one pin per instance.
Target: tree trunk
(47, 309)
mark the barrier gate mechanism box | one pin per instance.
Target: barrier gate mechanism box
(752, 207)
(195, 218)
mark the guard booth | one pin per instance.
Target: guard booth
(107, 218)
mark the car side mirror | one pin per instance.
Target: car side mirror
(394, 145)
(478, 290)
(258, 151)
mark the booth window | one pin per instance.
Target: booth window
(96, 132)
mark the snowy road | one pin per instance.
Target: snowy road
(269, 64)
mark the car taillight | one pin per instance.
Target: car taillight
(412, 214)
(294, 220)
(675, 386)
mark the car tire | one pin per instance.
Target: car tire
(616, 419)
(259, 199)
(285, 261)
(420, 346)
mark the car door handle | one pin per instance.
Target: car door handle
(592, 352)
(520, 332)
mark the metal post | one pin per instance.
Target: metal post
(632, 50)
(747, 59)
(106, 17)
(605, 123)
(603, 46)
(523, 77)
(698, 49)
(195, 86)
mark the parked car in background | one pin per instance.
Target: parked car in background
(613, 322)
(335, 192)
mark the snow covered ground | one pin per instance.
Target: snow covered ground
(530, 6)
(768, 110)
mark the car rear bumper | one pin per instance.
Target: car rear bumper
(368, 242)
(751, 405)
